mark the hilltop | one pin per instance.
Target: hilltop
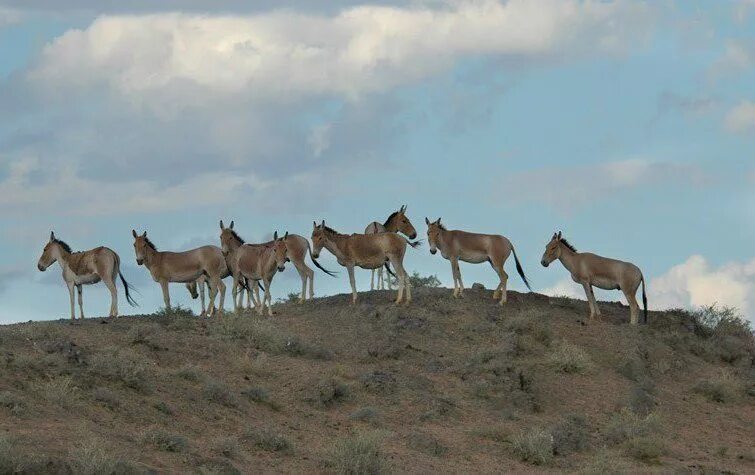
(442, 385)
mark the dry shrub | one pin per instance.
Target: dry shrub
(268, 439)
(723, 387)
(359, 454)
(219, 393)
(572, 359)
(93, 457)
(645, 449)
(534, 446)
(625, 425)
(570, 435)
(61, 391)
(125, 366)
(162, 440)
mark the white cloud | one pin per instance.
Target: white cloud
(356, 51)
(695, 282)
(741, 118)
(9, 16)
(566, 188)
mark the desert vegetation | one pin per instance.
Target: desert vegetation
(444, 385)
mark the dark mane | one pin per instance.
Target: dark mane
(64, 245)
(568, 245)
(330, 230)
(238, 238)
(443, 227)
(150, 243)
(390, 218)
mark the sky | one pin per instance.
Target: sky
(629, 126)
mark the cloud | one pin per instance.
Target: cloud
(695, 282)
(8, 274)
(567, 188)
(288, 54)
(741, 118)
(9, 16)
(738, 56)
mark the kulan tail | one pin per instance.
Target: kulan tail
(314, 261)
(644, 303)
(414, 244)
(520, 270)
(390, 272)
(128, 288)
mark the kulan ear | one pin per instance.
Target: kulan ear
(275, 236)
(133, 233)
(286, 236)
(52, 236)
(427, 221)
(314, 225)
(438, 221)
(323, 223)
(559, 234)
(221, 225)
(144, 234)
(231, 226)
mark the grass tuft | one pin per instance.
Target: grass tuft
(534, 446)
(359, 454)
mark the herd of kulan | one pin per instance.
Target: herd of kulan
(380, 245)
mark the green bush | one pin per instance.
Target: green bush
(721, 388)
(626, 425)
(417, 281)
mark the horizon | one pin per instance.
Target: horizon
(626, 125)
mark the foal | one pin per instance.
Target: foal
(368, 251)
(397, 222)
(183, 267)
(474, 248)
(83, 268)
(592, 270)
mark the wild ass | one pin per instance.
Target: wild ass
(397, 222)
(255, 262)
(368, 251)
(473, 248)
(184, 267)
(592, 270)
(84, 268)
(297, 248)
(197, 290)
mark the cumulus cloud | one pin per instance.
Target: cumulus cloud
(288, 54)
(741, 118)
(696, 282)
(566, 188)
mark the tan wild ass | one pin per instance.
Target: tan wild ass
(397, 222)
(197, 290)
(297, 248)
(592, 270)
(256, 262)
(473, 248)
(184, 267)
(84, 268)
(368, 251)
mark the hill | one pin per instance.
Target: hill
(442, 385)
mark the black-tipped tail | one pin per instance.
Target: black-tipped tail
(414, 244)
(520, 270)
(388, 268)
(330, 273)
(128, 288)
(644, 304)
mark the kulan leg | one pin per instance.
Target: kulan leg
(166, 294)
(502, 286)
(403, 284)
(387, 278)
(304, 274)
(457, 269)
(268, 298)
(110, 284)
(634, 307)
(73, 303)
(353, 283)
(81, 301)
(202, 299)
(591, 300)
(220, 285)
(372, 279)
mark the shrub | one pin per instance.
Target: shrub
(266, 337)
(626, 425)
(570, 435)
(606, 461)
(219, 393)
(268, 439)
(225, 446)
(107, 397)
(426, 444)
(359, 454)
(646, 449)
(190, 373)
(721, 388)
(143, 334)
(174, 312)
(532, 324)
(568, 358)
(418, 281)
(365, 414)
(11, 403)
(534, 446)
(124, 366)
(61, 391)
(260, 396)
(730, 334)
(165, 441)
(330, 391)
(93, 458)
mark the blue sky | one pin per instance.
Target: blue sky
(627, 125)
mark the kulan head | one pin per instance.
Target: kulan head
(227, 237)
(141, 243)
(433, 234)
(319, 237)
(281, 251)
(401, 223)
(552, 250)
(49, 254)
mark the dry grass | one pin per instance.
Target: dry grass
(572, 359)
(723, 388)
(534, 446)
(359, 454)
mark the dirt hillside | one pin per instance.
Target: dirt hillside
(440, 386)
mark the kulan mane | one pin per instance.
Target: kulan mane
(237, 237)
(150, 243)
(388, 221)
(330, 230)
(64, 245)
(568, 245)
